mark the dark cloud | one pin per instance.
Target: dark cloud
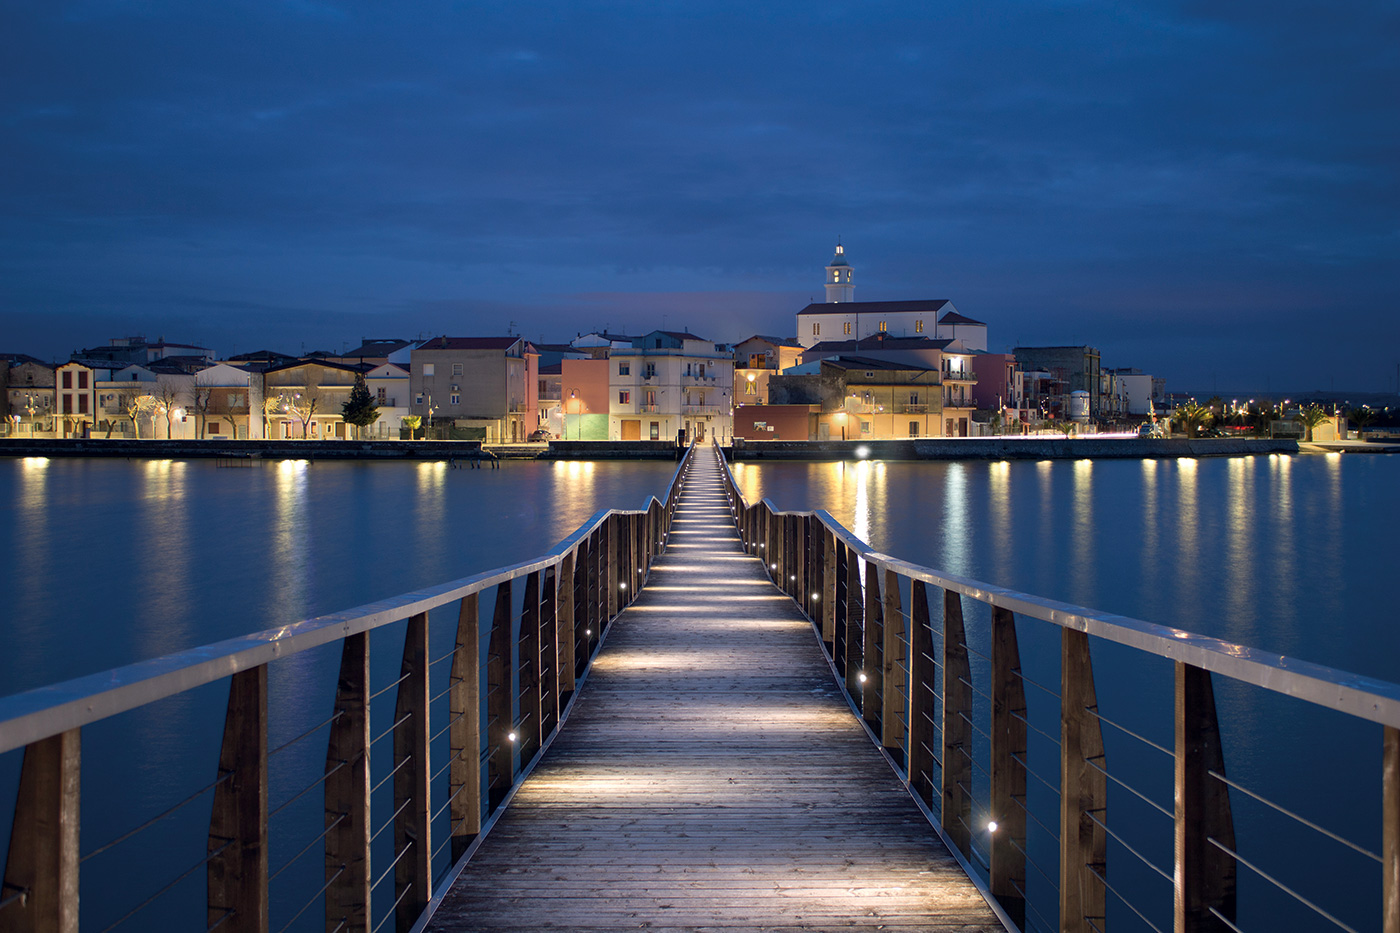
(1191, 186)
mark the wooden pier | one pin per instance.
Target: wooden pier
(712, 776)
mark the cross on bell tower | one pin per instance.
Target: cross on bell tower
(839, 286)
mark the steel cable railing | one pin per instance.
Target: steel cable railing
(953, 695)
(561, 605)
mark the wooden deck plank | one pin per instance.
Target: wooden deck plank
(712, 777)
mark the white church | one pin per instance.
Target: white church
(840, 317)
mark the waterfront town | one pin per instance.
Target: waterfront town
(851, 370)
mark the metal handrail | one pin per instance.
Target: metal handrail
(567, 600)
(46, 711)
(855, 598)
(1354, 694)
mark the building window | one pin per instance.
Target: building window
(82, 404)
(82, 379)
(456, 399)
(865, 427)
(624, 369)
(656, 430)
(700, 370)
(913, 429)
(816, 330)
(650, 397)
(456, 369)
(383, 394)
(624, 397)
(68, 378)
(846, 327)
(650, 371)
(419, 399)
(882, 327)
(918, 329)
(428, 369)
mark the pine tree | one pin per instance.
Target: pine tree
(360, 409)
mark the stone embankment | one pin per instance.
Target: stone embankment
(1012, 448)
(244, 450)
(981, 448)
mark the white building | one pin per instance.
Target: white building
(841, 317)
(668, 382)
(388, 384)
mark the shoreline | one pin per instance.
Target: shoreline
(915, 449)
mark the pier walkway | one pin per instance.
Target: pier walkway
(711, 776)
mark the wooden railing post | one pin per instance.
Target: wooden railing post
(568, 630)
(957, 726)
(1390, 830)
(347, 793)
(830, 578)
(413, 876)
(464, 735)
(549, 652)
(593, 586)
(838, 607)
(894, 677)
(500, 688)
(854, 623)
(1204, 875)
(1083, 789)
(42, 864)
(872, 652)
(804, 564)
(530, 699)
(237, 869)
(922, 740)
(611, 548)
(1008, 769)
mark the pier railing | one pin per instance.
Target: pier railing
(414, 768)
(1012, 771)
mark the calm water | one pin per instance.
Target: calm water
(111, 562)
(1294, 555)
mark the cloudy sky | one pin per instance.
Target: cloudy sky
(1208, 191)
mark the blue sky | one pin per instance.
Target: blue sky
(1207, 191)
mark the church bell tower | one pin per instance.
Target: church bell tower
(839, 286)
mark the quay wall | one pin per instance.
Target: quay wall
(1014, 448)
(982, 448)
(243, 450)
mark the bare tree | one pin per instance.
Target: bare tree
(305, 404)
(271, 404)
(169, 393)
(201, 398)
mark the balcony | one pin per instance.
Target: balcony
(911, 409)
(961, 376)
(703, 410)
(649, 409)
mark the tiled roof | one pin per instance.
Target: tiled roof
(879, 342)
(469, 343)
(953, 317)
(861, 362)
(929, 305)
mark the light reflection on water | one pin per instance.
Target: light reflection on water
(1240, 548)
(110, 562)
